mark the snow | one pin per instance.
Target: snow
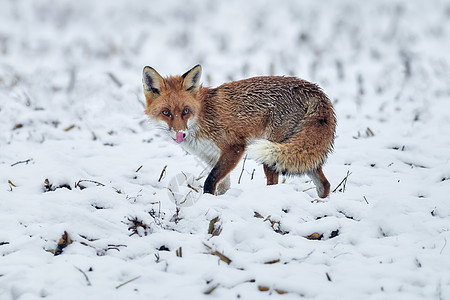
(71, 112)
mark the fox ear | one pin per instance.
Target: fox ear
(152, 82)
(191, 79)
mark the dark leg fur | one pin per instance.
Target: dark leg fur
(228, 160)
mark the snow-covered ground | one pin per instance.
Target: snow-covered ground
(78, 155)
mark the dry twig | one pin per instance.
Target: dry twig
(128, 281)
(22, 162)
(242, 171)
(344, 181)
(211, 289)
(162, 173)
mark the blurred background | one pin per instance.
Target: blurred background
(86, 57)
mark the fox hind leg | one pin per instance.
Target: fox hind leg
(271, 175)
(321, 182)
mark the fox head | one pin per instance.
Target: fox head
(171, 102)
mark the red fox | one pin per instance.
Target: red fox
(286, 123)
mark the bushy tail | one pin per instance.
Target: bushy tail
(307, 147)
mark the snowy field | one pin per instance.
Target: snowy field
(77, 154)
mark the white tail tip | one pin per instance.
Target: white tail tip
(263, 151)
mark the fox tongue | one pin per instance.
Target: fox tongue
(180, 137)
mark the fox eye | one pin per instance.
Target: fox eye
(185, 111)
(166, 113)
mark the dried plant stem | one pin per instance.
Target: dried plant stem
(22, 162)
(162, 173)
(211, 289)
(85, 276)
(218, 254)
(344, 181)
(242, 171)
(87, 180)
(126, 282)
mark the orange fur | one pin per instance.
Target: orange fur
(287, 123)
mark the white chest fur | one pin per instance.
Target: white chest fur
(205, 149)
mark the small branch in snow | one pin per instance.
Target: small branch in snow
(85, 276)
(369, 132)
(305, 257)
(22, 162)
(162, 173)
(135, 224)
(69, 128)
(211, 289)
(366, 200)
(270, 262)
(128, 281)
(11, 184)
(242, 171)
(344, 181)
(79, 185)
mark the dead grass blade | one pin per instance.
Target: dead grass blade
(281, 292)
(69, 128)
(270, 262)
(11, 183)
(211, 289)
(218, 254)
(263, 288)
(127, 282)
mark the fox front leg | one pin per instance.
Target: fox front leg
(228, 160)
